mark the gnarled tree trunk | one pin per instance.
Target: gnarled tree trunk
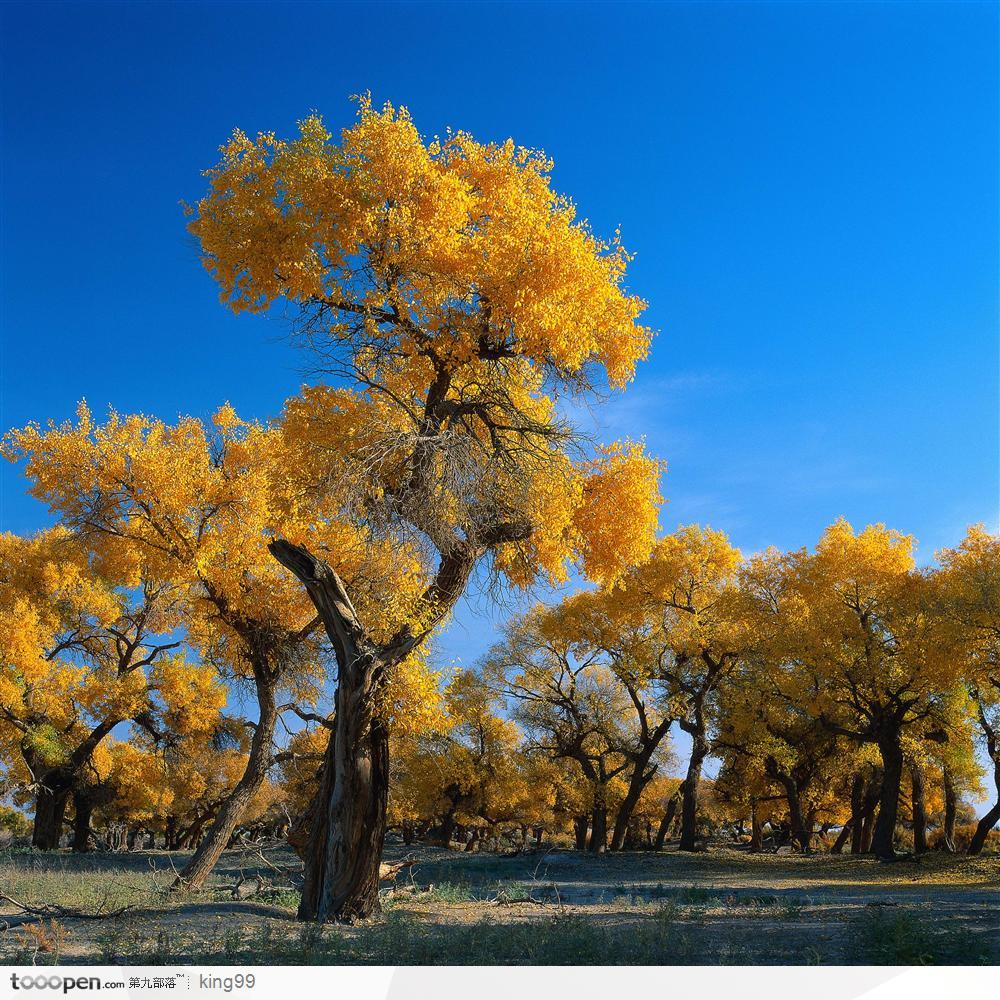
(345, 845)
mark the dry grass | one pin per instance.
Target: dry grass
(723, 906)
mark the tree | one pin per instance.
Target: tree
(970, 601)
(80, 654)
(619, 729)
(687, 591)
(871, 660)
(192, 508)
(453, 294)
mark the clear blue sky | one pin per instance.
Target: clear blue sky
(812, 192)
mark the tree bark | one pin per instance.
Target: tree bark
(580, 825)
(345, 845)
(691, 787)
(217, 839)
(950, 812)
(342, 863)
(83, 807)
(50, 810)
(882, 845)
(919, 807)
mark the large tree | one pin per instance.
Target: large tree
(969, 583)
(867, 652)
(81, 653)
(192, 507)
(452, 294)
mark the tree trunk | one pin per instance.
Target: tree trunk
(756, 829)
(919, 806)
(216, 840)
(580, 825)
(598, 829)
(991, 819)
(888, 803)
(50, 809)
(842, 837)
(345, 845)
(867, 829)
(667, 821)
(691, 785)
(83, 806)
(801, 831)
(625, 810)
(950, 811)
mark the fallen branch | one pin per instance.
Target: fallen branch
(389, 872)
(51, 911)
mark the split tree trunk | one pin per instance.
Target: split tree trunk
(345, 845)
(217, 839)
(801, 830)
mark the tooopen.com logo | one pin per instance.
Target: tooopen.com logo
(64, 984)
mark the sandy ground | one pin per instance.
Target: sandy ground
(557, 906)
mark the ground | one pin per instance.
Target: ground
(544, 908)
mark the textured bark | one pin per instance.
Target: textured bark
(50, 811)
(345, 845)
(217, 839)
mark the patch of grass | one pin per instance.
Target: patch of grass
(904, 938)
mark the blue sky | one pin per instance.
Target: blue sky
(810, 189)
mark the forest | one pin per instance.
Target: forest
(227, 633)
